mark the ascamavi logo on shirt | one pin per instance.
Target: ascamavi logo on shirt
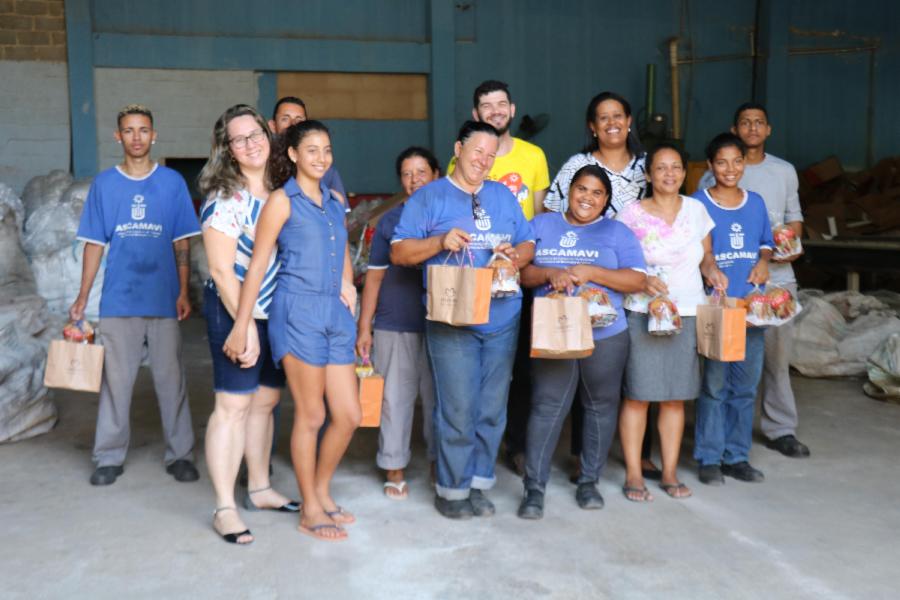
(138, 208)
(737, 236)
(568, 240)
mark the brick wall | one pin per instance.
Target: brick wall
(32, 30)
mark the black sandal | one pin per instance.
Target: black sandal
(287, 507)
(231, 538)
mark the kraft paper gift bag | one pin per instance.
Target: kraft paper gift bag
(371, 393)
(722, 330)
(74, 366)
(561, 328)
(459, 294)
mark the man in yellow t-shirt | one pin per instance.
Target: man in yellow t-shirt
(519, 165)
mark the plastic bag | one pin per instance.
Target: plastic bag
(774, 307)
(759, 311)
(505, 279)
(663, 317)
(600, 309)
(79, 331)
(787, 243)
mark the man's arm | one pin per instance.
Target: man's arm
(93, 254)
(183, 262)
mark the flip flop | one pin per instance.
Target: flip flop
(672, 488)
(340, 516)
(400, 487)
(643, 491)
(315, 529)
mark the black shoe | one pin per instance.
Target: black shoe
(532, 506)
(743, 471)
(106, 475)
(454, 509)
(588, 497)
(789, 446)
(183, 470)
(711, 475)
(481, 506)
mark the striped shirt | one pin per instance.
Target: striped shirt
(628, 185)
(236, 216)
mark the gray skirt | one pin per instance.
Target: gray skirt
(662, 367)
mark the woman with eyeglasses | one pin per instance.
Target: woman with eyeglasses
(236, 184)
(674, 232)
(471, 365)
(580, 251)
(311, 325)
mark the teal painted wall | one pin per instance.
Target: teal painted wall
(555, 56)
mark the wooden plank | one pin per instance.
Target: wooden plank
(364, 96)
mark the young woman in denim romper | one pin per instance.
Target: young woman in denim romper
(235, 183)
(311, 327)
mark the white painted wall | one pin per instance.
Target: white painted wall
(34, 120)
(185, 106)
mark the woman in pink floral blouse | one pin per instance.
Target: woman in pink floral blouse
(674, 233)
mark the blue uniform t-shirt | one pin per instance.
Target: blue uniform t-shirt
(139, 219)
(605, 243)
(440, 206)
(399, 305)
(740, 233)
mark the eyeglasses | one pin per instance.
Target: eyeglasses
(477, 211)
(240, 142)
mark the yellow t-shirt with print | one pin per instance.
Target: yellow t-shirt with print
(522, 170)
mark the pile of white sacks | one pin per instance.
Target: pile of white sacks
(850, 334)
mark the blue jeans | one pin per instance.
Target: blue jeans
(472, 371)
(723, 429)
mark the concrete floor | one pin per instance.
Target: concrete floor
(820, 528)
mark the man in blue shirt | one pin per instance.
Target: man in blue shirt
(143, 212)
(742, 245)
(471, 365)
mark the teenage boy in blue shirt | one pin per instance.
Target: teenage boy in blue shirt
(143, 212)
(742, 245)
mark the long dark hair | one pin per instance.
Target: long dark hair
(632, 142)
(281, 167)
(651, 156)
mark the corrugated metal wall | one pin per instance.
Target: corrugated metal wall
(555, 57)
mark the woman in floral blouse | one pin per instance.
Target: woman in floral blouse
(674, 233)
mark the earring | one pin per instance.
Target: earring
(629, 130)
(154, 141)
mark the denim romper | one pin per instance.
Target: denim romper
(307, 318)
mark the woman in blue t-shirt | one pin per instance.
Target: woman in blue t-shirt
(392, 298)
(311, 326)
(575, 250)
(235, 183)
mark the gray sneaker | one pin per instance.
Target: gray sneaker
(481, 506)
(532, 506)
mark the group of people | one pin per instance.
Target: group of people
(280, 307)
